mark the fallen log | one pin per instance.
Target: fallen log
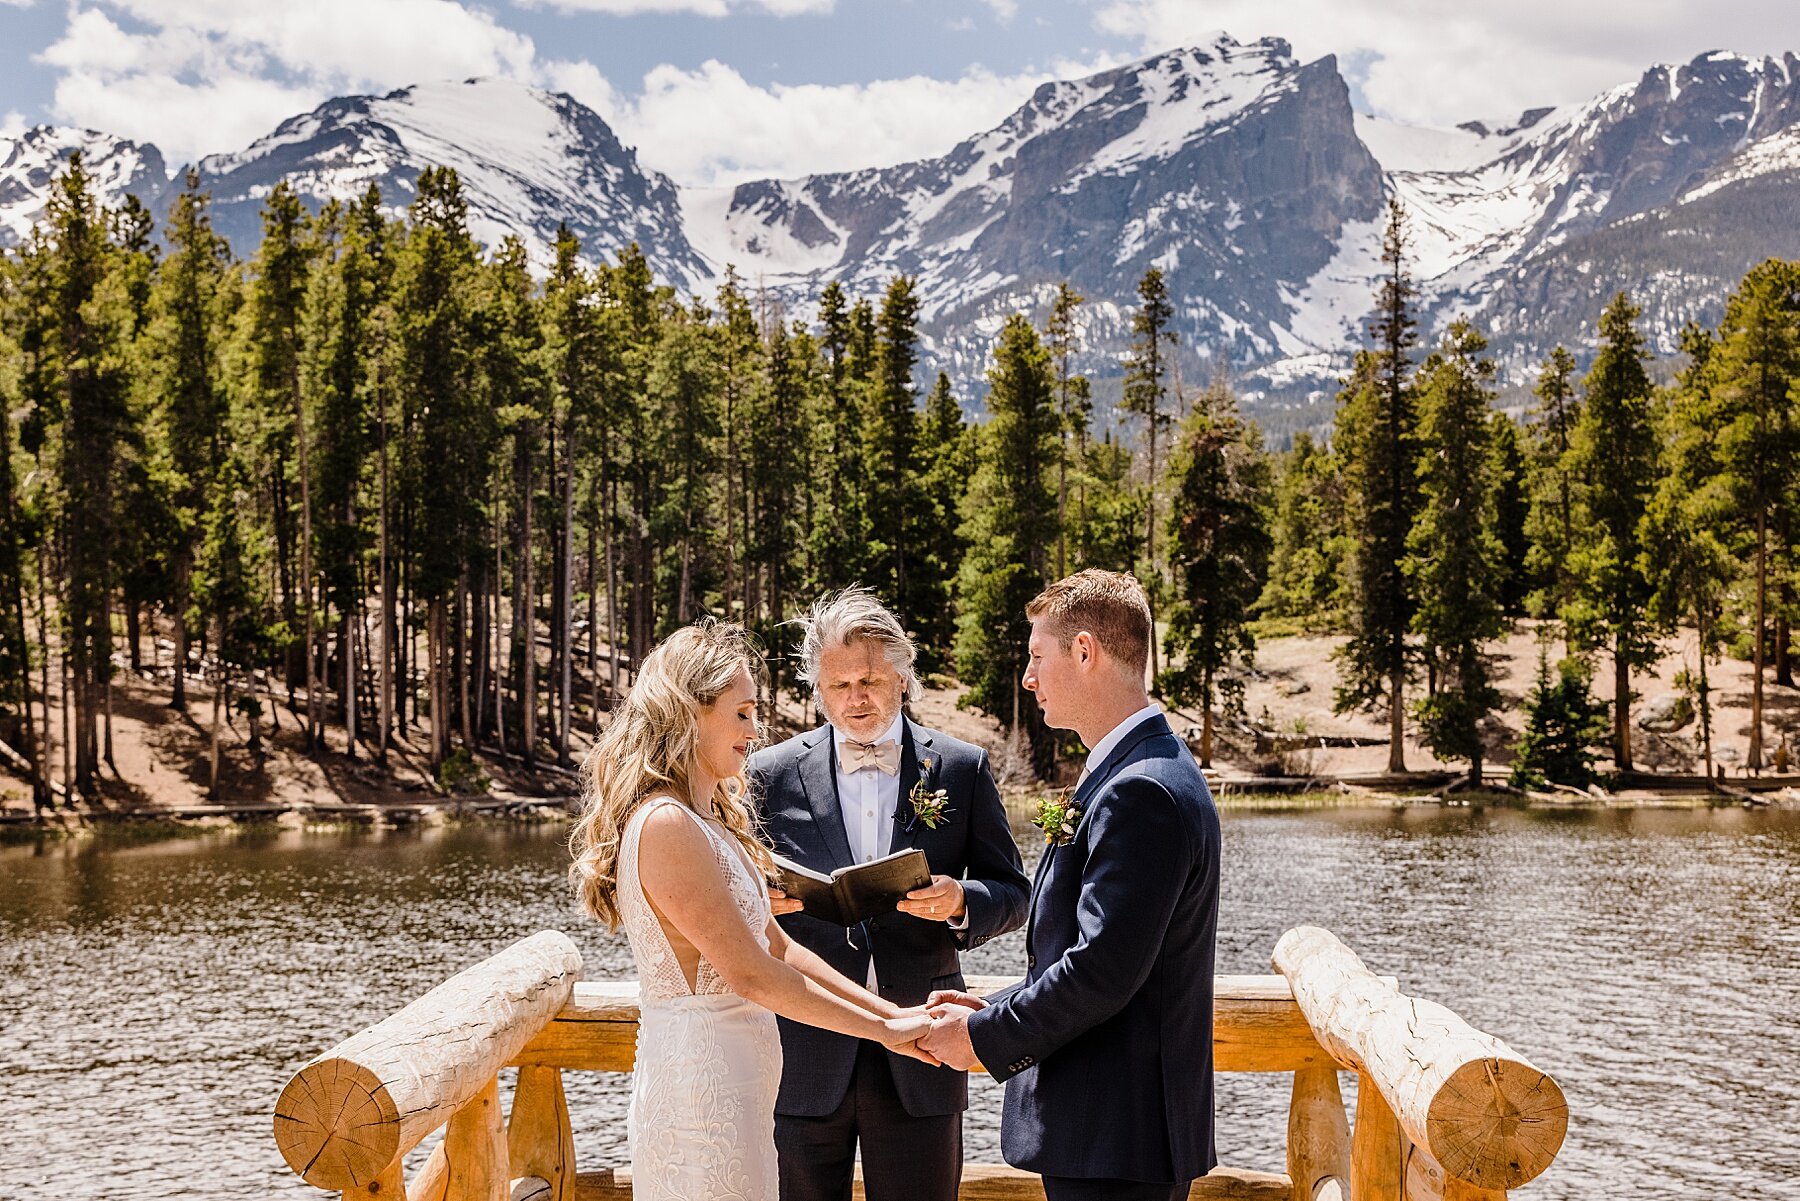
(1481, 1110)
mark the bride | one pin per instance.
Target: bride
(666, 848)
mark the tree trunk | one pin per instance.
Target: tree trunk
(438, 729)
(502, 645)
(347, 641)
(218, 710)
(523, 618)
(460, 670)
(1397, 714)
(315, 720)
(1759, 641)
(385, 687)
(566, 600)
(1621, 705)
(184, 569)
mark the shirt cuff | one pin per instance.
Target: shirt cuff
(958, 923)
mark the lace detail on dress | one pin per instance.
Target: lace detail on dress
(659, 971)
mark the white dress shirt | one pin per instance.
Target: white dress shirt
(1114, 737)
(867, 799)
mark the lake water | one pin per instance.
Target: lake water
(155, 997)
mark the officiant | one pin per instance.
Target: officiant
(868, 783)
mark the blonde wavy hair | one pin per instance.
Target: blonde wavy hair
(648, 750)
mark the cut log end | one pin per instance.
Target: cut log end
(1497, 1123)
(336, 1125)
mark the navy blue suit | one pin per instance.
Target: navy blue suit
(858, 1085)
(1106, 1045)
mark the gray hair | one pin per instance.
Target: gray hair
(855, 614)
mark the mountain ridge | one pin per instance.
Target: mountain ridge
(1242, 172)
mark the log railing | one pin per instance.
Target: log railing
(1443, 1113)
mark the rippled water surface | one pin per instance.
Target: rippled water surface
(156, 997)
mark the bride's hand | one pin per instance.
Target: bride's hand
(901, 1036)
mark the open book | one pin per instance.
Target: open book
(856, 893)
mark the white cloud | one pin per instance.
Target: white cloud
(712, 126)
(1436, 64)
(1004, 10)
(12, 123)
(704, 8)
(199, 76)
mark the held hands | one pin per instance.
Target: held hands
(904, 1033)
(781, 904)
(939, 901)
(948, 1041)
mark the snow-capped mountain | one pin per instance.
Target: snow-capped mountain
(1594, 191)
(30, 162)
(1233, 168)
(528, 160)
(1240, 172)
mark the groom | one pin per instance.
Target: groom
(1106, 1045)
(844, 794)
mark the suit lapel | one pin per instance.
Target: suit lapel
(1149, 727)
(818, 776)
(914, 749)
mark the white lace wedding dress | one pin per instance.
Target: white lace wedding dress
(702, 1121)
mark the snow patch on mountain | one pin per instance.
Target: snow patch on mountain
(31, 161)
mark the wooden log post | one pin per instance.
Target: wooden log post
(1426, 1181)
(539, 1137)
(349, 1115)
(1377, 1148)
(1480, 1109)
(471, 1163)
(1318, 1146)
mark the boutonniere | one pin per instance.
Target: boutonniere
(1056, 817)
(929, 805)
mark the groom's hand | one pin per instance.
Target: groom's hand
(939, 901)
(950, 996)
(948, 1041)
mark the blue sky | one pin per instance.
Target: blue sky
(720, 90)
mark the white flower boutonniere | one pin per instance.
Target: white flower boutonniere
(929, 805)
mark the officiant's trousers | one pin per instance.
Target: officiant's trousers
(904, 1158)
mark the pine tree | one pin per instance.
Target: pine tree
(227, 601)
(1109, 511)
(444, 418)
(1454, 559)
(273, 315)
(1758, 370)
(580, 354)
(1218, 548)
(1009, 524)
(1374, 440)
(1509, 471)
(1311, 541)
(1074, 408)
(1690, 524)
(190, 418)
(685, 385)
(1563, 725)
(889, 446)
(1613, 449)
(1146, 372)
(838, 534)
(87, 370)
(1554, 491)
(942, 470)
(338, 372)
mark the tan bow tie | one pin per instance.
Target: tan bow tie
(882, 756)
